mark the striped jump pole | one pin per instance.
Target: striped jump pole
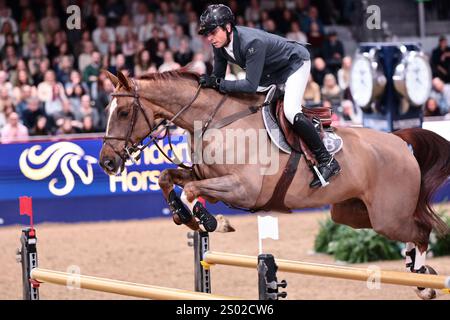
(333, 271)
(120, 287)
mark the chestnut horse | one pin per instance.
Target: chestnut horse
(386, 183)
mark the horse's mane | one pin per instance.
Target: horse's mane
(186, 73)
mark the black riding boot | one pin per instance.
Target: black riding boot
(328, 166)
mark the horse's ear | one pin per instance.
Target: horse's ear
(123, 80)
(113, 78)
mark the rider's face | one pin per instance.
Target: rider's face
(217, 37)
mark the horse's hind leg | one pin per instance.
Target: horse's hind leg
(415, 262)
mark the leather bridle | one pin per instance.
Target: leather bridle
(130, 148)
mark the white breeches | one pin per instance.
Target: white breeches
(294, 89)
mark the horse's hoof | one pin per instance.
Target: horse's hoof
(176, 219)
(223, 224)
(427, 293)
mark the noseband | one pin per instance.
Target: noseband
(129, 147)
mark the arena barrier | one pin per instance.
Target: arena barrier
(33, 276)
(268, 284)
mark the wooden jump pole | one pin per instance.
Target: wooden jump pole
(121, 287)
(333, 271)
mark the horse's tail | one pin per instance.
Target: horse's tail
(433, 155)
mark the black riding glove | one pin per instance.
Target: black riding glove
(207, 81)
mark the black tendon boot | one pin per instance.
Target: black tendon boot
(328, 166)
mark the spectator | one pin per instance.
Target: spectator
(64, 69)
(33, 41)
(252, 11)
(440, 60)
(50, 23)
(333, 51)
(67, 112)
(75, 89)
(129, 49)
(51, 93)
(184, 54)
(23, 94)
(331, 91)
(432, 109)
(91, 72)
(67, 127)
(85, 58)
(348, 115)
(87, 110)
(5, 18)
(7, 36)
(41, 127)
(319, 70)
(124, 27)
(440, 92)
(343, 76)
(10, 58)
(176, 38)
(312, 92)
(4, 83)
(34, 60)
(312, 19)
(296, 34)
(140, 14)
(315, 38)
(169, 63)
(103, 35)
(169, 27)
(145, 30)
(13, 131)
(44, 66)
(88, 126)
(142, 64)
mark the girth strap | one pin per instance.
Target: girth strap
(276, 202)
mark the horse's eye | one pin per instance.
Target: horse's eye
(123, 114)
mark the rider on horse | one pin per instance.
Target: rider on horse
(267, 59)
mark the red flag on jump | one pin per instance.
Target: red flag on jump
(26, 208)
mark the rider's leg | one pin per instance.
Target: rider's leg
(294, 90)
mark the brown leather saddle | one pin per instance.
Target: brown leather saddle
(320, 117)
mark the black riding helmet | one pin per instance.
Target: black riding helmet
(216, 15)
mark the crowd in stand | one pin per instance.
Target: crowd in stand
(50, 76)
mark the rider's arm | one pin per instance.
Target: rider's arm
(255, 58)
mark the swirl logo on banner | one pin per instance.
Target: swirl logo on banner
(38, 164)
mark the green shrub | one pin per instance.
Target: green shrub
(364, 245)
(354, 246)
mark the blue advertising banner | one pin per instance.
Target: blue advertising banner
(67, 184)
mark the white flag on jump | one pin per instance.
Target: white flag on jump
(267, 228)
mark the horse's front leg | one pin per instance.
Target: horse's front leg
(167, 180)
(229, 189)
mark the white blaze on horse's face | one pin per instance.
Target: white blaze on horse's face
(111, 111)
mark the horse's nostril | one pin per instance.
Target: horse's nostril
(109, 164)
